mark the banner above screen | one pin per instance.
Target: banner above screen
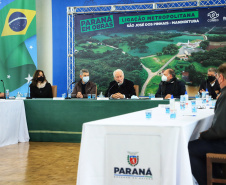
(141, 20)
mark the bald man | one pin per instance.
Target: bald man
(120, 88)
(170, 85)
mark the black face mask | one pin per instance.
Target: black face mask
(211, 78)
(40, 79)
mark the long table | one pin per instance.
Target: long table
(62, 120)
(158, 144)
(13, 124)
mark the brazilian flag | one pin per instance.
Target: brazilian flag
(17, 24)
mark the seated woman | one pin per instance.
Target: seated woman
(39, 87)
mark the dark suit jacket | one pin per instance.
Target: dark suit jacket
(127, 88)
(206, 84)
(89, 89)
(174, 87)
(218, 128)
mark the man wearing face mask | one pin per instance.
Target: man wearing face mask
(120, 88)
(211, 84)
(170, 85)
(83, 87)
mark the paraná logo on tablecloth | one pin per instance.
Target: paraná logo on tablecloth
(133, 158)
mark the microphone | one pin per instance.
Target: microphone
(111, 88)
(68, 89)
(28, 90)
(161, 87)
(4, 88)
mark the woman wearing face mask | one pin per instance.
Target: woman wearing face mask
(83, 87)
(211, 84)
(39, 87)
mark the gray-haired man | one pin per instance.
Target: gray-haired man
(83, 87)
(120, 88)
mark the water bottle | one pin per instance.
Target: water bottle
(203, 94)
(172, 108)
(18, 95)
(186, 98)
(7, 94)
(193, 107)
(204, 97)
(182, 102)
(101, 95)
(207, 96)
(172, 103)
(197, 95)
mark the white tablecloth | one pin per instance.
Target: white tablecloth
(175, 135)
(13, 124)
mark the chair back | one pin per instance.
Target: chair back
(136, 87)
(215, 158)
(54, 90)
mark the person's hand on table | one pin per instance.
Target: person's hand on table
(79, 95)
(202, 90)
(118, 96)
(168, 96)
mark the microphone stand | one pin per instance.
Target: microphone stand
(111, 88)
(28, 90)
(4, 88)
(161, 88)
(68, 89)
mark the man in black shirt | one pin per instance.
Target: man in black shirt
(170, 85)
(120, 88)
(211, 84)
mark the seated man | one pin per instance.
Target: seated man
(120, 88)
(211, 83)
(83, 87)
(214, 139)
(170, 85)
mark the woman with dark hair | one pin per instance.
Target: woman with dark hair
(40, 88)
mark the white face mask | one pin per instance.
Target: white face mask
(164, 78)
(85, 79)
